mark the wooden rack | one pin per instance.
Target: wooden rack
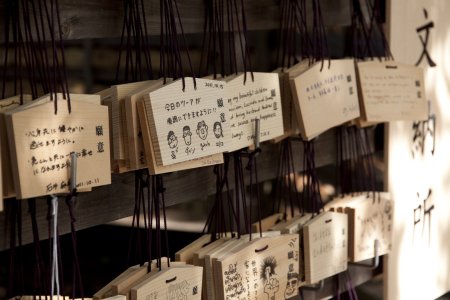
(100, 19)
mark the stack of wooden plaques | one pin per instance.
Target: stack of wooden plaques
(176, 280)
(370, 220)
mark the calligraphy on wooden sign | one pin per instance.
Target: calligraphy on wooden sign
(188, 124)
(326, 246)
(41, 143)
(267, 268)
(392, 91)
(258, 99)
(326, 96)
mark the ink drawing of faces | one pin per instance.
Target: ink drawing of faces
(217, 128)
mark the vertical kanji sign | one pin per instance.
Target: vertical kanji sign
(418, 266)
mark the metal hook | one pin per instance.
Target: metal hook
(257, 133)
(375, 261)
(73, 171)
(314, 287)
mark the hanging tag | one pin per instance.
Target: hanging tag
(41, 143)
(153, 166)
(268, 222)
(120, 148)
(330, 92)
(187, 253)
(6, 169)
(369, 219)
(254, 99)
(172, 283)
(135, 143)
(391, 91)
(326, 246)
(261, 270)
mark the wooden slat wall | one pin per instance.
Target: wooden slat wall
(103, 18)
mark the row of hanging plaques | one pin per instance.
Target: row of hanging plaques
(166, 125)
(288, 255)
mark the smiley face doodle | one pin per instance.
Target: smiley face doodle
(202, 130)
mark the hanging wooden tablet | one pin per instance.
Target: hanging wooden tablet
(391, 91)
(250, 100)
(187, 253)
(41, 143)
(118, 116)
(153, 166)
(7, 178)
(103, 291)
(261, 270)
(268, 222)
(172, 283)
(369, 219)
(136, 155)
(188, 124)
(325, 90)
(290, 122)
(326, 246)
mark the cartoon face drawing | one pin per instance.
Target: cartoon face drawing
(172, 140)
(291, 285)
(217, 128)
(187, 135)
(271, 285)
(202, 130)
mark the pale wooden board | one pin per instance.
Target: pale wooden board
(186, 254)
(418, 265)
(183, 123)
(136, 155)
(92, 170)
(267, 222)
(255, 99)
(106, 289)
(7, 182)
(154, 168)
(118, 94)
(369, 218)
(253, 274)
(331, 92)
(117, 297)
(290, 122)
(326, 246)
(106, 99)
(392, 91)
(172, 283)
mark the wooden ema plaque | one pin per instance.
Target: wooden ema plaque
(325, 98)
(369, 219)
(153, 166)
(326, 246)
(136, 152)
(254, 99)
(187, 253)
(391, 91)
(6, 175)
(41, 143)
(266, 268)
(118, 116)
(188, 124)
(172, 283)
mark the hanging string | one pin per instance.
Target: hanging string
(16, 275)
(39, 266)
(311, 183)
(55, 288)
(376, 30)
(70, 201)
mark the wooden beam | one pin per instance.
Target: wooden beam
(115, 201)
(86, 19)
